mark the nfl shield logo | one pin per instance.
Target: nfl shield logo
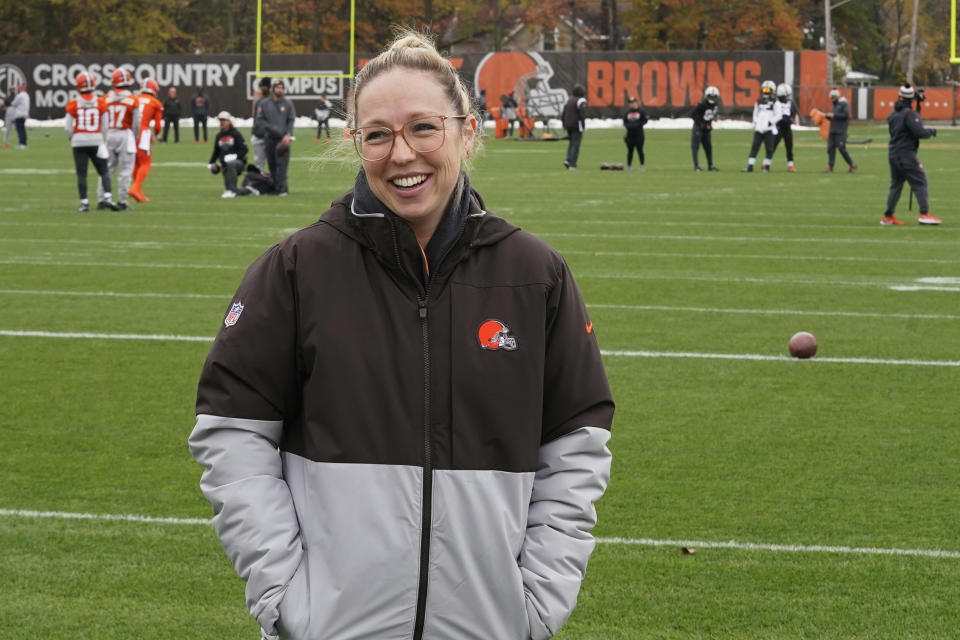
(234, 314)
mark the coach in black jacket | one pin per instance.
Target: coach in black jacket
(906, 130)
(839, 118)
(171, 115)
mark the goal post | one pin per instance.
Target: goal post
(954, 57)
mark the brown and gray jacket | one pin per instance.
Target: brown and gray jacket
(400, 452)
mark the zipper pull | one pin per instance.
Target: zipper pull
(423, 309)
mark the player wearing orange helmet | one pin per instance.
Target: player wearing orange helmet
(151, 117)
(85, 125)
(124, 113)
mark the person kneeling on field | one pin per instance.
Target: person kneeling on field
(231, 150)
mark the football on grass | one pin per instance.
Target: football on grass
(803, 345)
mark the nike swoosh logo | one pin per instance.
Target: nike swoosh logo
(589, 327)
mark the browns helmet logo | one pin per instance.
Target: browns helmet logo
(527, 75)
(495, 335)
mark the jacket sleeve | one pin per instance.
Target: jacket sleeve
(574, 463)
(243, 399)
(915, 124)
(843, 111)
(291, 119)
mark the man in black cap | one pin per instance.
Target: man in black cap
(906, 131)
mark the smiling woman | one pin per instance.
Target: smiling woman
(404, 418)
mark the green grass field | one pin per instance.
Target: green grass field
(836, 479)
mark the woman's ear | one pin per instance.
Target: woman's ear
(469, 135)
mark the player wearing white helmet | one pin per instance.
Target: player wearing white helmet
(764, 127)
(786, 111)
(703, 117)
(839, 117)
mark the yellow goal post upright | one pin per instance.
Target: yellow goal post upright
(341, 76)
(954, 56)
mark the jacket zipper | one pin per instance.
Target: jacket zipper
(427, 484)
(426, 518)
(427, 497)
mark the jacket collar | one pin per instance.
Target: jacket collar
(466, 224)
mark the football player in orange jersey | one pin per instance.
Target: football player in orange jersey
(123, 110)
(85, 124)
(151, 111)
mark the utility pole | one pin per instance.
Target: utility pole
(573, 26)
(828, 40)
(614, 26)
(828, 34)
(913, 42)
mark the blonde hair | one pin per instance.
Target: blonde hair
(411, 50)
(414, 50)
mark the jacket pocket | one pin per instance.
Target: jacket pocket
(294, 607)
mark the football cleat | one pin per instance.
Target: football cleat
(852, 168)
(889, 221)
(228, 194)
(713, 168)
(697, 169)
(84, 207)
(106, 204)
(123, 206)
(926, 218)
(747, 169)
(792, 169)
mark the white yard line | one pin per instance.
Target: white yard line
(777, 312)
(790, 548)
(54, 262)
(13, 333)
(703, 238)
(756, 256)
(113, 294)
(649, 542)
(134, 244)
(768, 358)
(103, 336)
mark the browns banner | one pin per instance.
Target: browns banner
(669, 83)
